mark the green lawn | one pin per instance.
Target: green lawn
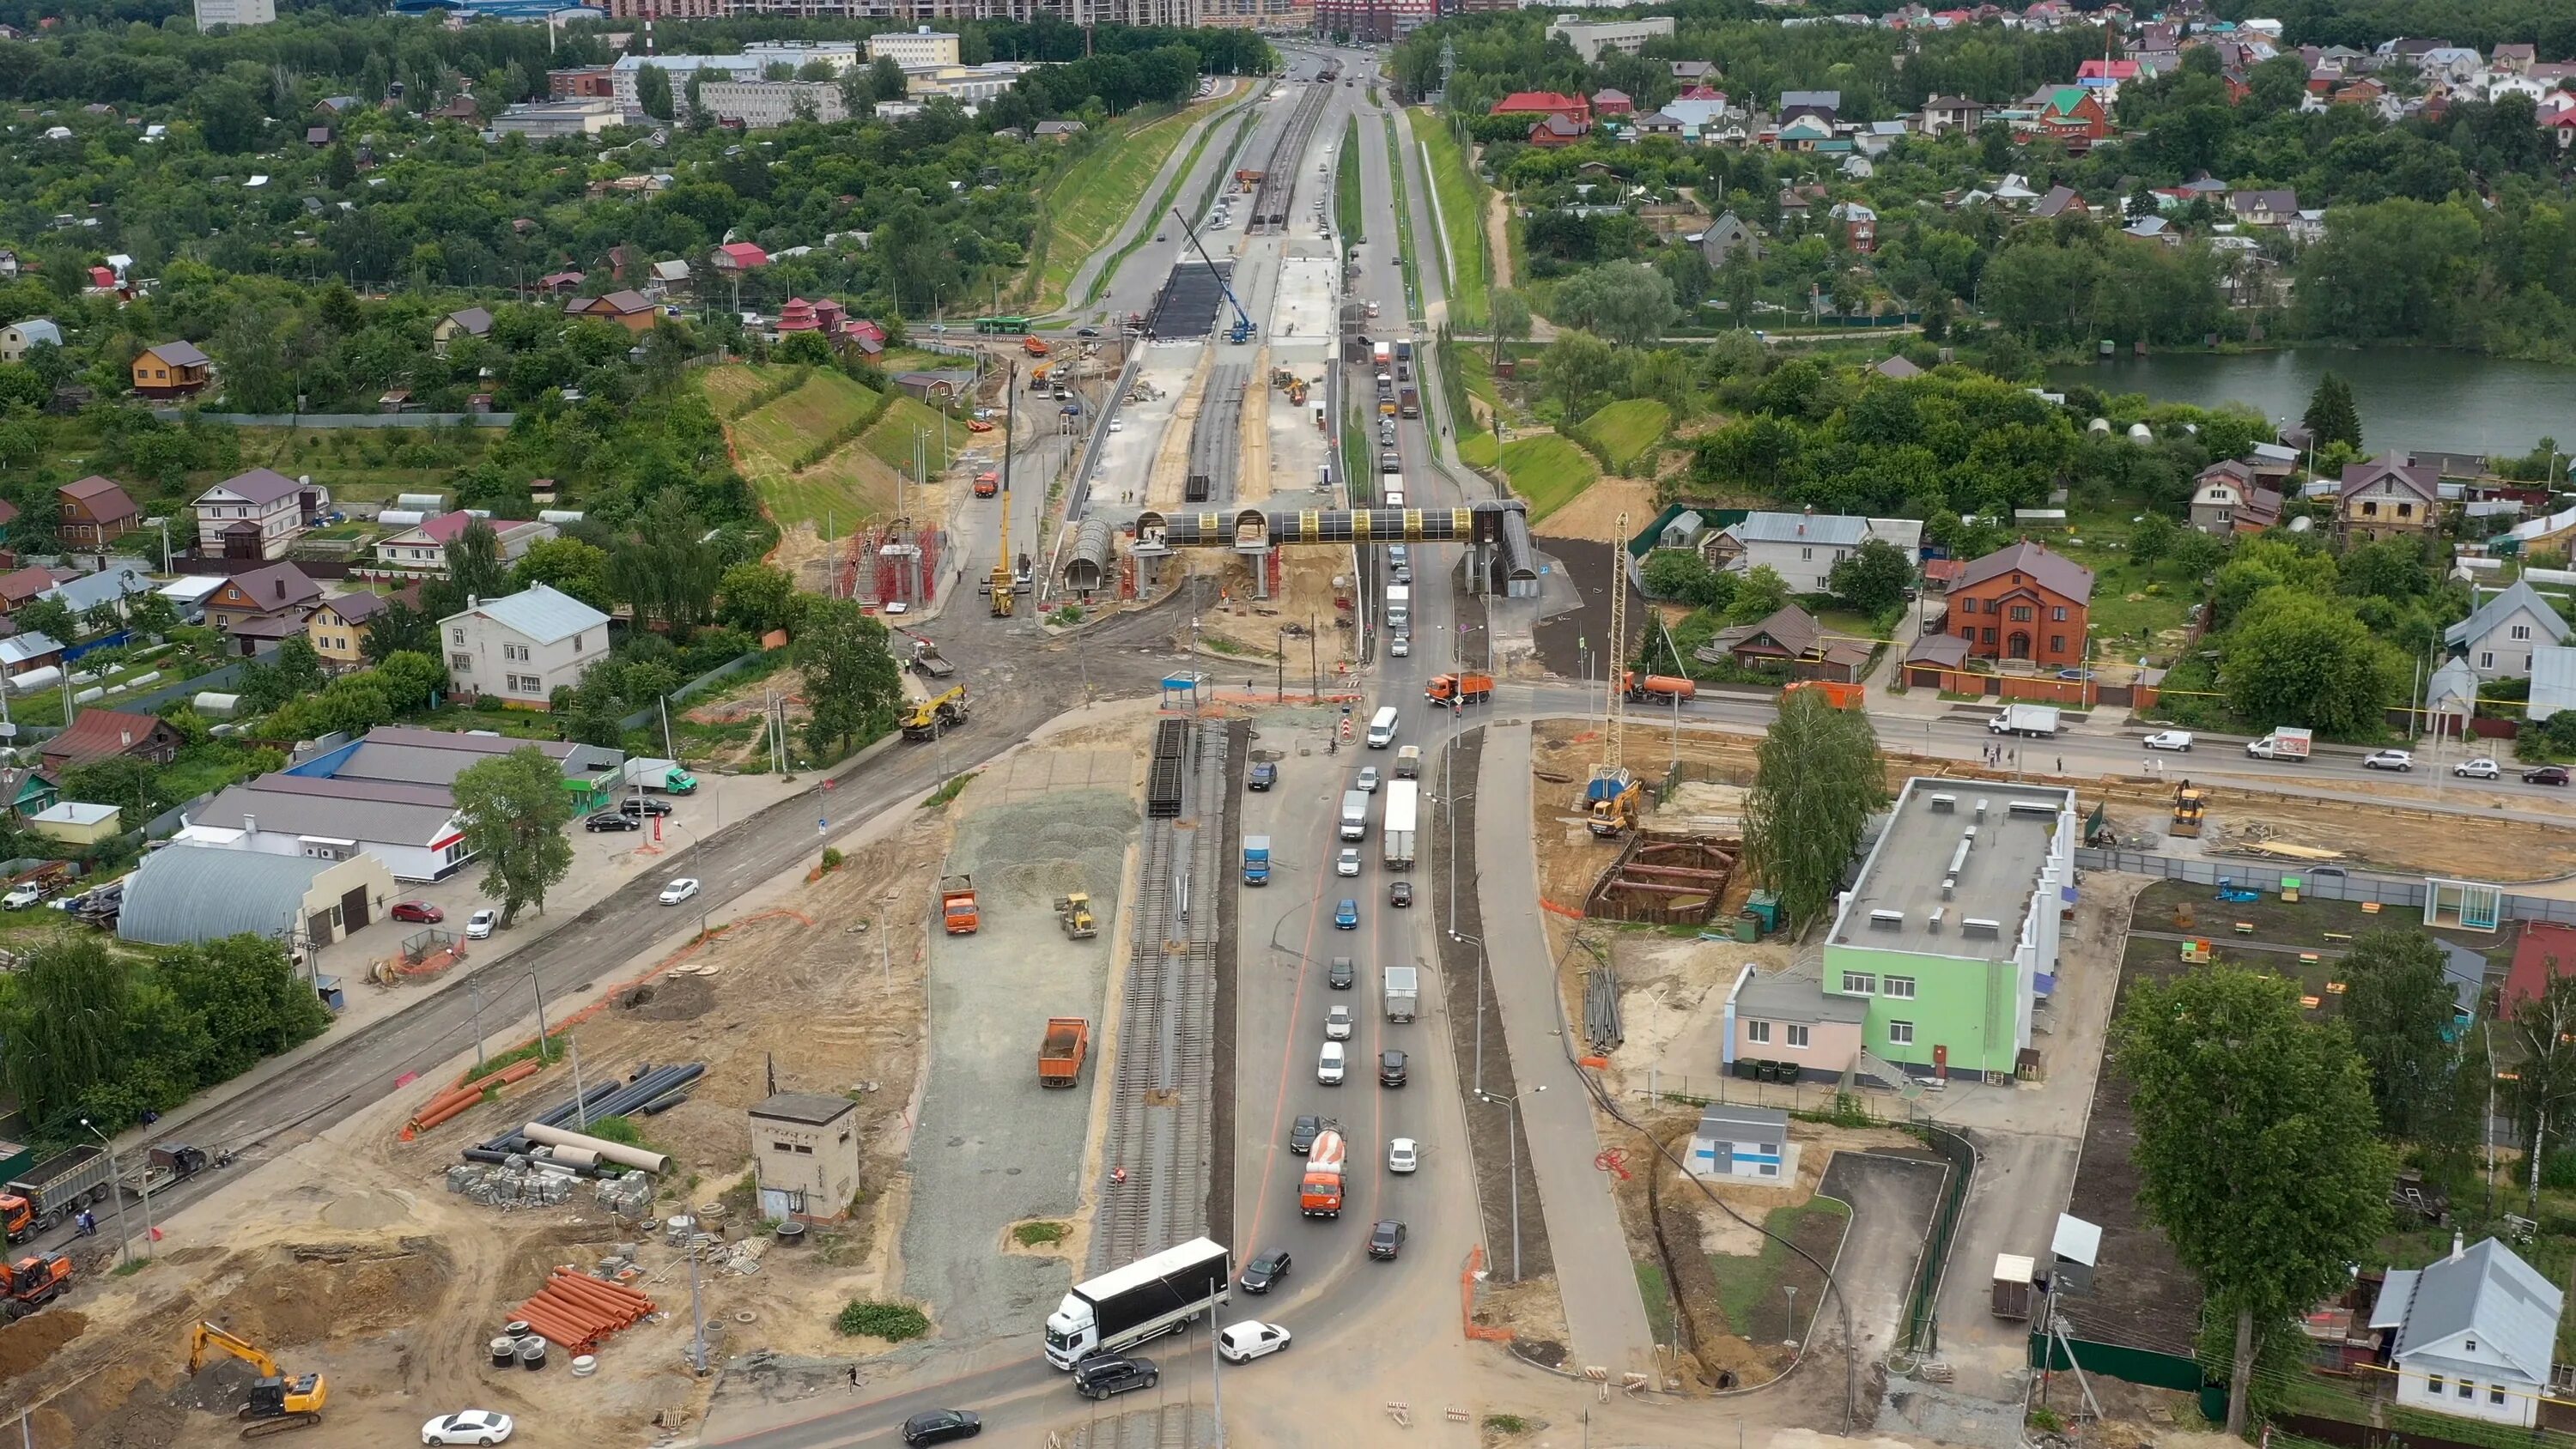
(1346, 188)
(836, 493)
(1412, 299)
(730, 387)
(1095, 194)
(1748, 1285)
(1479, 450)
(1627, 429)
(1547, 472)
(891, 439)
(1462, 219)
(2135, 610)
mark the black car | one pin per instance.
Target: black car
(1385, 1241)
(939, 1426)
(1086, 332)
(1390, 1069)
(1264, 775)
(1301, 1133)
(639, 805)
(2545, 775)
(1104, 1374)
(1399, 893)
(1263, 1271)
(612, 820)
(1342, 974)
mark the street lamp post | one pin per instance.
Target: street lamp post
(1479, 943)
(1511, 1104)
(124, 1240)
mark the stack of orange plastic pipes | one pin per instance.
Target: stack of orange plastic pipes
(455, 1100)
(576, 1310)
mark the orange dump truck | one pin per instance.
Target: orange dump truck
(1068, 1041)
(957, 905)
(1035, 347)
(1320, 1195)
(1835, 692)
(1473, 688)
(1660, 687)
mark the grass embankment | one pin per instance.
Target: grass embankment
(1403, 225)
(891, 439)
(1346, 188)
(1461, 210)
(768, 441)
(1164, 204)
(1627, 430)
(1091, 197)
(1546, 471)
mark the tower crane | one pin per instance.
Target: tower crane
(1241, 330)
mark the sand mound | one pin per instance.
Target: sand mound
(31, 1341)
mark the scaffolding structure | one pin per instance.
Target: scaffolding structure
(895, 563)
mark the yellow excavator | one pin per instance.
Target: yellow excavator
(278, 1402)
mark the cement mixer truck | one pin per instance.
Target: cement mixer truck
(1320, 1195)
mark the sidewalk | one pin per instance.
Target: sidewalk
(1594, 1275)
(602, 865)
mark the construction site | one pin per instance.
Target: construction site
(376, 1258)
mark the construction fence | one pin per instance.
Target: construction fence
(2328, 883)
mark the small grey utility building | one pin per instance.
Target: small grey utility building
(805, 1149)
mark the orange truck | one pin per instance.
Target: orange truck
(1035, 347)
(1448, 688)
(987, 483)
(1320, 1195)
(1661, 687)
(1068, 1041)
(957, 905)
(1835, 692)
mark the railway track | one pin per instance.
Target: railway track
(1156, 1157)
(1278, 188)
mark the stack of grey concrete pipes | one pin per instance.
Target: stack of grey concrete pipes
(554, 1137)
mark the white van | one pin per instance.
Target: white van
(1382, 729)
(1330, 1067)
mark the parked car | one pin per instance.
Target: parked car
(2388, 760)
(1104, 1374)
(22, 897)
(2545, 775)
(1400, 893)
(2170, 740)
(1348, 861)
(643, 805)
(1346, 916)
(417, 912)
(1386, 1239)
(1264, 775)
(469, 1426)
(939, 1426)
(2481, 768)
(1402, 1155)
(1264, 1271)
(611, 820)
(1301, 1133)
(679, 890)
(1390, 1069)
(1243, 1342)
(1342, 973)
(481, 924)
(1337, 1023)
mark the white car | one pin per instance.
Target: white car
(472, 1426)
(1250, 1339)
(1402, 648)
(1402, 1155)
(1348, 862)
(1117, 425)
(1337, 1024)
(1332, 1065)
(898, 606)
(2388, 760)
(2170, 740)
(1368, 778)
(2481, 768)
(679, 890)
(480, 925)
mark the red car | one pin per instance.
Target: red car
(420, 911)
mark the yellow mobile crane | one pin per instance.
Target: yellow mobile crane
(1002, 584)
(278, 1402)
(1610, 797)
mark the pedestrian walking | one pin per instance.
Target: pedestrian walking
(2061, 764)
(854, 1376)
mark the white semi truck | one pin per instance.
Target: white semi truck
(1148, 1298)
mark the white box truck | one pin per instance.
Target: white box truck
(663, 775)
(1146, 1299)
(1399, 603)
(2038, 720)
(1355, 815)
(1403, 802)
(1403, 992)
(2287, 745)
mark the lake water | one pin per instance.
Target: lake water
(2409, 397)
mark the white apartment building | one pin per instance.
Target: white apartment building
(235, 12)
(763, 105)
(921, 47)
(523, 648)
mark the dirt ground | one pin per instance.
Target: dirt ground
(1308, 594)
(1594, 513)
(350, 1257)
(744, 705)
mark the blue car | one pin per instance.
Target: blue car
(1346, 916)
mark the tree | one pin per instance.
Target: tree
(2331, 417)
(568, 565)
(1629, 303)
(402, 629)
(2297, 659)
(885, 77)
(2196, 553)
(1574, 367)
(229, 114)
(2397, 1003)
(474, 566)
(1742, 279)
(151, 614)
(50, 617)
(1818, 779)
(133, 786)
(62, 1023)
(2254, 1147)
(759, 597)
(2151, 540)
(851, 681)
(2544, 1087)
(653, 92)
(1760, 592)
(1873, 578)
(1510, 317)
(244, 991)
(513, 809)
(1680, 574)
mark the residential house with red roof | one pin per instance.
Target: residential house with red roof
(1607, 102)
(2022, 603)
(263, 606)
(1544, 103)
(2546, 952)
(738, 257)
(420, 551)
(631, 310)
(1552, 132)
(106, 734)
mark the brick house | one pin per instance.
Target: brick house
(2074, 115)
(1535, 104)
(94, 512)
(2022, 603)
